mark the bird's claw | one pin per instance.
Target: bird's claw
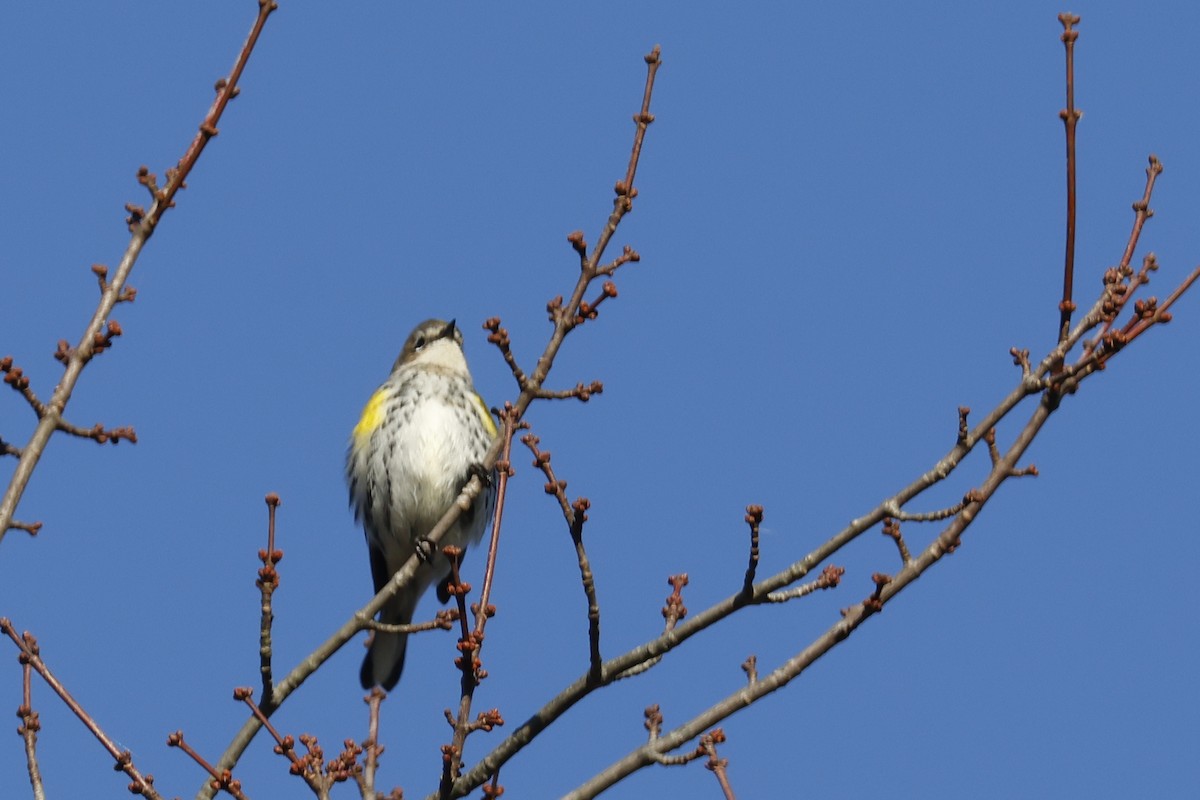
(423, 546)
(484, 475)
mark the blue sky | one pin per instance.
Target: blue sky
(846, 218)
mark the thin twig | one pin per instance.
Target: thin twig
(754, 518)
(1070, 117)
(28, 646)
(575, 515)
(371, 746)
(891, 529)
(672, 612)
(483, 610)
(715, 764)
(222, 780)
(310, 767)
(267, 583)
(32, 528)
(30, 725)
(1121, 282)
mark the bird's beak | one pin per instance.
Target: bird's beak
(448, 331)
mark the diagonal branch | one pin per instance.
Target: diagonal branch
(1070, 117)
(142, 226)
(31, 655)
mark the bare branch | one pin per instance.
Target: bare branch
(267, 583)
(30, 655)
(142, 226)
(1070, 117)
(754, 518)
(222, 780)
(30, 725)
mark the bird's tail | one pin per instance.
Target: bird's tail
(385, 659)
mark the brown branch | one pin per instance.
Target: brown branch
(750, 667)
(99, 433)
(310, 767)
(15, 377)
(222, 780)
(708, 743)
(493, 788)
(628, 255)
(754, 518)
(575, 514)
(706, 747)
(829, 578)
(32, 528)
(672, 612)
(608, 289)
(30, 654)
(471, 644)
(143, 224)
(1120, 282)
(1021, 359)
(443, 620)
(30, 725)
(891, 529)
(371, 746)
(499, 337)
(267, 583)
(1070, 117)
(1161, 315)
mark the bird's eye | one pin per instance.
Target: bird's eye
(419, 343)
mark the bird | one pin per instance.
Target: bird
(422, 435)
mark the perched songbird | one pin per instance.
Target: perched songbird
(422, 435)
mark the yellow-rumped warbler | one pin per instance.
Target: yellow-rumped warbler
(421, 436)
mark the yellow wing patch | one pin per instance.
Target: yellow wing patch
(372, 416)
(485, 415)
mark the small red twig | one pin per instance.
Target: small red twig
(1070, 117)
(267, 583)
(222, 780)
(311, 767)
(99, 433)
(675, 610)
(575, 515)
(15, 377)
(715, 764)
(829, 578)
(499, 337)
(608, 289)
(874, 603)
(891, 529)
(750, 667)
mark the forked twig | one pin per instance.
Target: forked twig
(31, 655)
